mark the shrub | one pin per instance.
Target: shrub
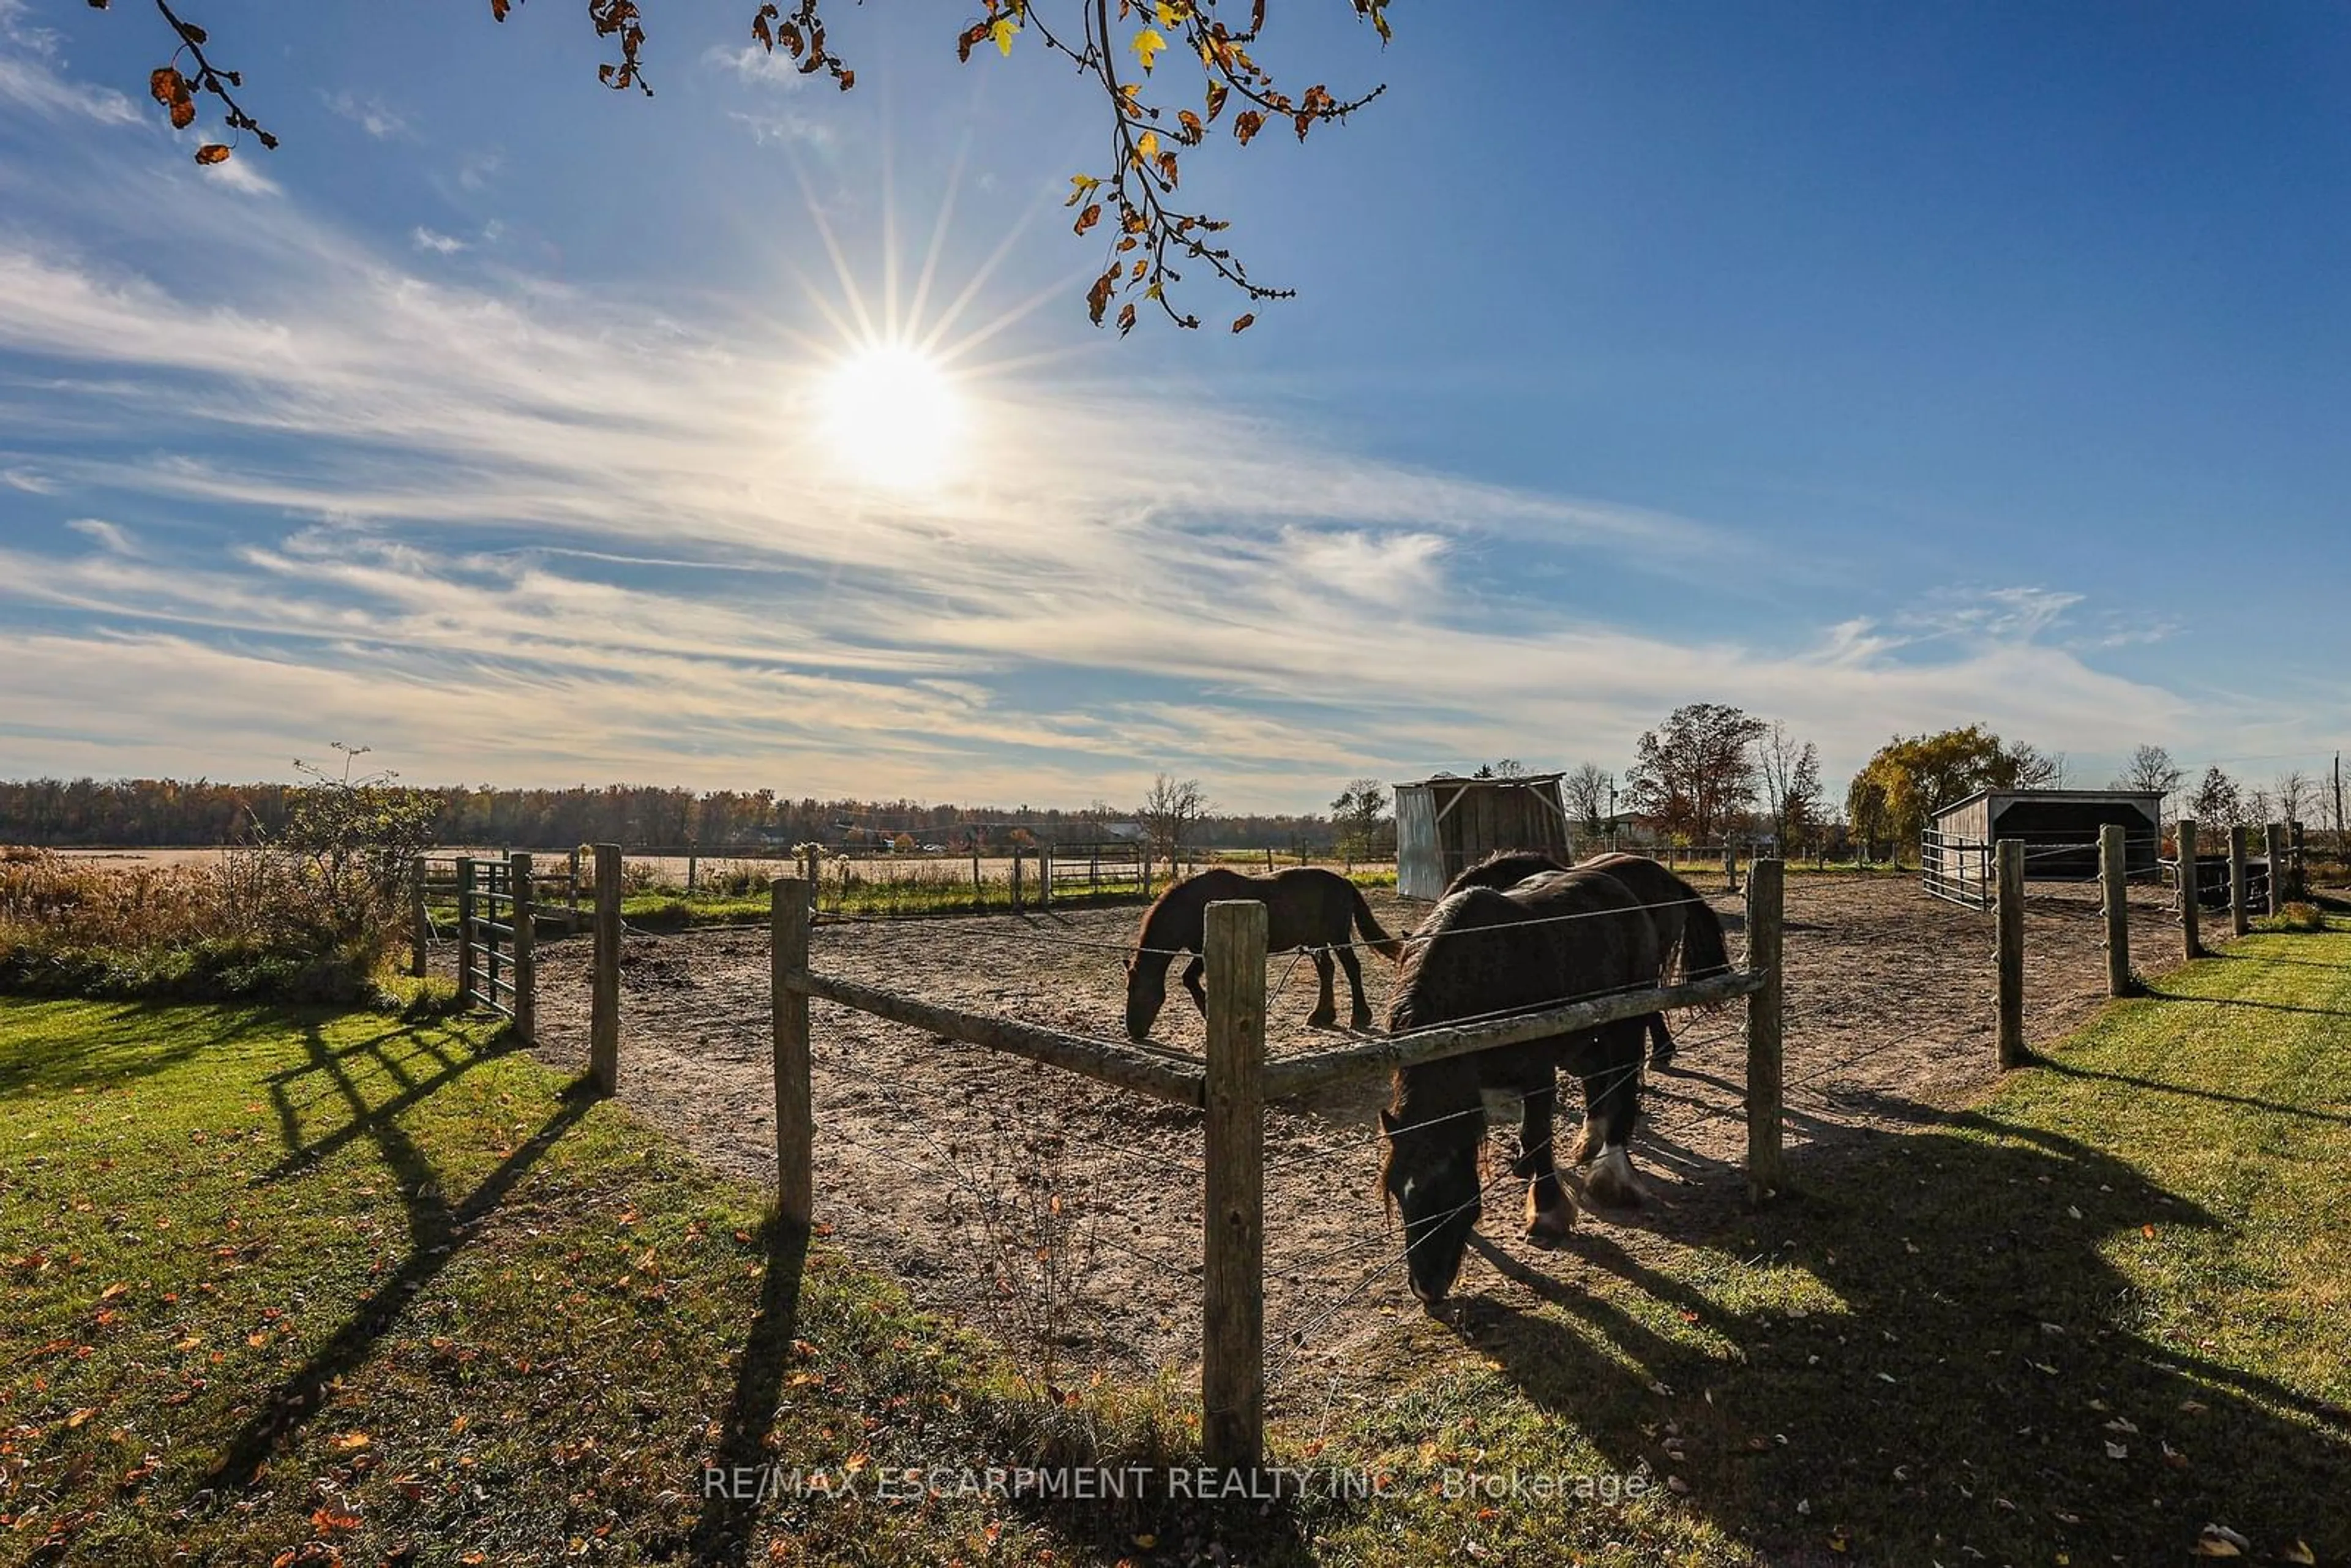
(2296, 916)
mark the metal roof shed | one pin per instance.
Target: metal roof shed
(1446, 823)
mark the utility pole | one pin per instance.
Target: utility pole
(1612, 800)
(2338, 805)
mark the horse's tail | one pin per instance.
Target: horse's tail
(1367, 926)
(1705, 950)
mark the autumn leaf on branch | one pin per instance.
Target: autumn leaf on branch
(1096, 37)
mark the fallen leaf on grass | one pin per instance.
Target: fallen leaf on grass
(2298, 1552)
(2220, 1541)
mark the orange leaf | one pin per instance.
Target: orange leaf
(211, 153)
(1248, 125)
(1126, 320)
(1087, 219)
(1242, 325)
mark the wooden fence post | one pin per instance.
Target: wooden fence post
(978, 900)
(1044, 876)
(1729, 864)
(1018, 856)
(465, 952)
(2241, 914)
(420, 923)
(795, 1113)
(2297, 885)
(571, 894)
(1765, 890)
(2114, 876)
(2191, 892)
(604, 983)
(522, 911)
(2273, 850)
(1232, 1365)
(2009, 921)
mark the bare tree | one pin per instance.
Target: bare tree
(1791, 781)
(2297, 793)
(2037, 769)
(2152, 769)
(1171, 812)
(1588, 790)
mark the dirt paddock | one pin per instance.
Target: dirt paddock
(1889, 1007)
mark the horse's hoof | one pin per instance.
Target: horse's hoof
(1320, 1020)
(1546, 1226)
(1362, 1020)
(1661, 1058)
(1612, 1180)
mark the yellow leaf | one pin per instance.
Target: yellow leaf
(2299, 1552)
(1002, 33)
(1147, 45)
(351, 1441)
(1146, 146)
(79, 1417)
(1081, 187)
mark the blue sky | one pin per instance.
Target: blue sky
(1874, 370)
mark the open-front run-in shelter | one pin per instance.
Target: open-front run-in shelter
(1446, 822)
(2059, 830)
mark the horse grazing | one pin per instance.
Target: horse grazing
(1483, 951)
(1688, 927)
(1305, 907)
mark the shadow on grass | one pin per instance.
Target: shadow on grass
(122, 1046)
(437, 1233)
(2070, 1071)
(1960, 1397)
(723, 1533)
(2164, 996)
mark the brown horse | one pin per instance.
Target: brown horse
(1688, 927)
(1547, 940)
(1305, 907)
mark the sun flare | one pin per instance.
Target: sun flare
(893, 416)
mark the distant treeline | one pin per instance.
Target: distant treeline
(159, 813)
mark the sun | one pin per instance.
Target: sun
(893, 415)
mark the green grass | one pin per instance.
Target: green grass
(283, 1283)
(302, 1288)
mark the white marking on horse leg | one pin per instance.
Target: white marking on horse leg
(1612, 1180)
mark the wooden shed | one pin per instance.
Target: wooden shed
(1446, 823)
(2059, 829)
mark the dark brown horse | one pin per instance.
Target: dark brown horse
(1688, 927)
(1549, 939)
(1305, 907)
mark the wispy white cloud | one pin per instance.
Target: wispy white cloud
(764, 67)
(111, 537)
(485, 480)
(366, 111)
(31, 481)
(476, 170)
(28, 84)
(800, 129)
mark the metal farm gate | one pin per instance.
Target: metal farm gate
(495, 913)
(1956, 869)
